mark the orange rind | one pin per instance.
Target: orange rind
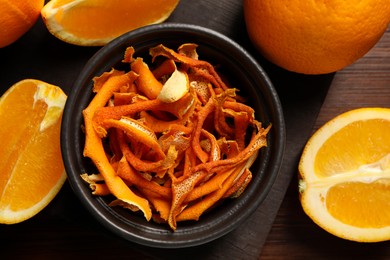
(174, 150)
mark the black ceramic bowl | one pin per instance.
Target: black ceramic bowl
(242, 71)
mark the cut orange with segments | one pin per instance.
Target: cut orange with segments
(345, 175)
(96, 22)
(31, 167)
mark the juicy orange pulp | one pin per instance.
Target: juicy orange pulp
(31, 166)
(360, 207)
(345, 175)
(359, 143)
(96, 22)
(111, 20)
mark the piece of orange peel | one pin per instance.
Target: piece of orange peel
(175, 87)
(180, 171)
(94, 148)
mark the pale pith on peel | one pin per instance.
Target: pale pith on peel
(175, 87)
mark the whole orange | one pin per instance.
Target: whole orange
(17, 17)
(315, 37)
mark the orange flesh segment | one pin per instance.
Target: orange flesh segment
(44, 147)
(349, 148)
(16, 147)
(106, 16)
(348, 203)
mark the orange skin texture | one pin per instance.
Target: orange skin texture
(17, 17)
(315, 37)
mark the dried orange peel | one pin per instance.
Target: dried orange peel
(169, 138)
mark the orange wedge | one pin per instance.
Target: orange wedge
(96, 22)
(31, 167)
(345, 175)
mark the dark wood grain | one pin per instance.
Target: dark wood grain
(65, 229)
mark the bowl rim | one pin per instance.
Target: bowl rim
(110, 219)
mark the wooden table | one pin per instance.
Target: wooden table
(278, 229)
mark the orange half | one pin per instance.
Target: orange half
(345, 175)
